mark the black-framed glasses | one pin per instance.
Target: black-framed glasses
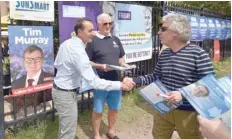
(30, 60)
(163, 28)
(110, 23)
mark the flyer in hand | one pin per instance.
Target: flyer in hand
(226, 84)
(155, 94)
(209, 98)
(114, 67)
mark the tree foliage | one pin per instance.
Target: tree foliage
(223, 7)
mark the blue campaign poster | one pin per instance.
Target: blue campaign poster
(133, 26)
(207, 97)
(194, 20)
(24, 44)
(228, 29)
(218, 29)
(212, 28)
(203, 27)
(223, 29)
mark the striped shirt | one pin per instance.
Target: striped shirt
(179, 69)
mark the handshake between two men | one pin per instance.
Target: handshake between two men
(127, 84)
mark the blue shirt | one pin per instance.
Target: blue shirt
(72, 63)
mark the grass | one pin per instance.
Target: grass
(133, 108)
(223, 68)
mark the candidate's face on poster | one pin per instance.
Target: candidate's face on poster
(33, 62)
(200, 91)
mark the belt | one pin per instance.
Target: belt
(67, 90)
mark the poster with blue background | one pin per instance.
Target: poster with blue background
(223, 29)
(20, 38)
(133, 26)
(228, 29)
(207, 97)
(194, 21)
(203, 27)
(218, 25)
(212, 28)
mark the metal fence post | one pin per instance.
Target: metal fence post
(2, 122)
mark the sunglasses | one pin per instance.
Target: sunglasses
(163, 28)
(110, 24)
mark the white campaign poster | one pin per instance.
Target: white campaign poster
(32, 10)
(133, 26)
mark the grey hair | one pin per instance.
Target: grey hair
(180, 24)
(101, 16)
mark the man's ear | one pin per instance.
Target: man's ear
(79, 31)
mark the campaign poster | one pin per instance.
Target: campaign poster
(218, 29)
(133, 26)
(207, 97)
(71, 11)
(228, 28)
(203, 27)
(223, 29)
(31, 58)
(194, 21)
(32, 10)
(212, 28)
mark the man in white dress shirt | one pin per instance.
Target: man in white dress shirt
(72, 63)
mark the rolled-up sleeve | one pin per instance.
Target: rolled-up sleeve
(82, 63)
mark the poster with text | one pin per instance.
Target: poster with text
(218, 29)
(195, 28)
(31, 58)
(71, 11)
(203, 27)
(32, 10)
(228, 28)
(212, 28)
(133, 26)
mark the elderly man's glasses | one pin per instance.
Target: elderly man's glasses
(109, 23)
(30, 60)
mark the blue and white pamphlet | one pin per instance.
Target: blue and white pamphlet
(226, 84)
(209, 99)
(155, 95)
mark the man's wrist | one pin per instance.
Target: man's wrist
(103, 66)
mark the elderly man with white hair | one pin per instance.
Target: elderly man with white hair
(106, 48)
(179, 65)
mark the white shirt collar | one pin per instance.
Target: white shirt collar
(36, 79)
(75, 37)
(102, 36)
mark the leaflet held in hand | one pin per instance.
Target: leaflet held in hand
(209, 98)
(155, 94)
(114, 67)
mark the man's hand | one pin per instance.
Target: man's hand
(174, 97)
(129, 82)
(213, 129)
(105, 68)
(124, 87)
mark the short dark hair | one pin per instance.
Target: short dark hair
(79, 24)
(33, 48)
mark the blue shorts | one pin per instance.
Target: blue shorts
(113, 99)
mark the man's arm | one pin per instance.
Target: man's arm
(204, 64)
(83, 66)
